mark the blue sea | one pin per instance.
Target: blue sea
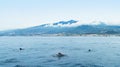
(39, 51)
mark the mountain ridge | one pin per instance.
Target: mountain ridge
(64, 28)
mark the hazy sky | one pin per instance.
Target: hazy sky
(26, 13)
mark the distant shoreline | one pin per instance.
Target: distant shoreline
(67, 35)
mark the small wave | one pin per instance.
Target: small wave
(28, 66)
(86, 65)
(93, 65)
(19, 66)
(49, 61)
(76, 49)
(11, 60)
(64, 64)
(41, 57)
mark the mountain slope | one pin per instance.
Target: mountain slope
(64, 28)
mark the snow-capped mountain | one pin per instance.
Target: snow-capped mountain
(65, 28)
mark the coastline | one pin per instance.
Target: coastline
(69, 35)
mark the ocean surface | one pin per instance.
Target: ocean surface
(40, 51)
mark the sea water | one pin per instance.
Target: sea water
(39, 51)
